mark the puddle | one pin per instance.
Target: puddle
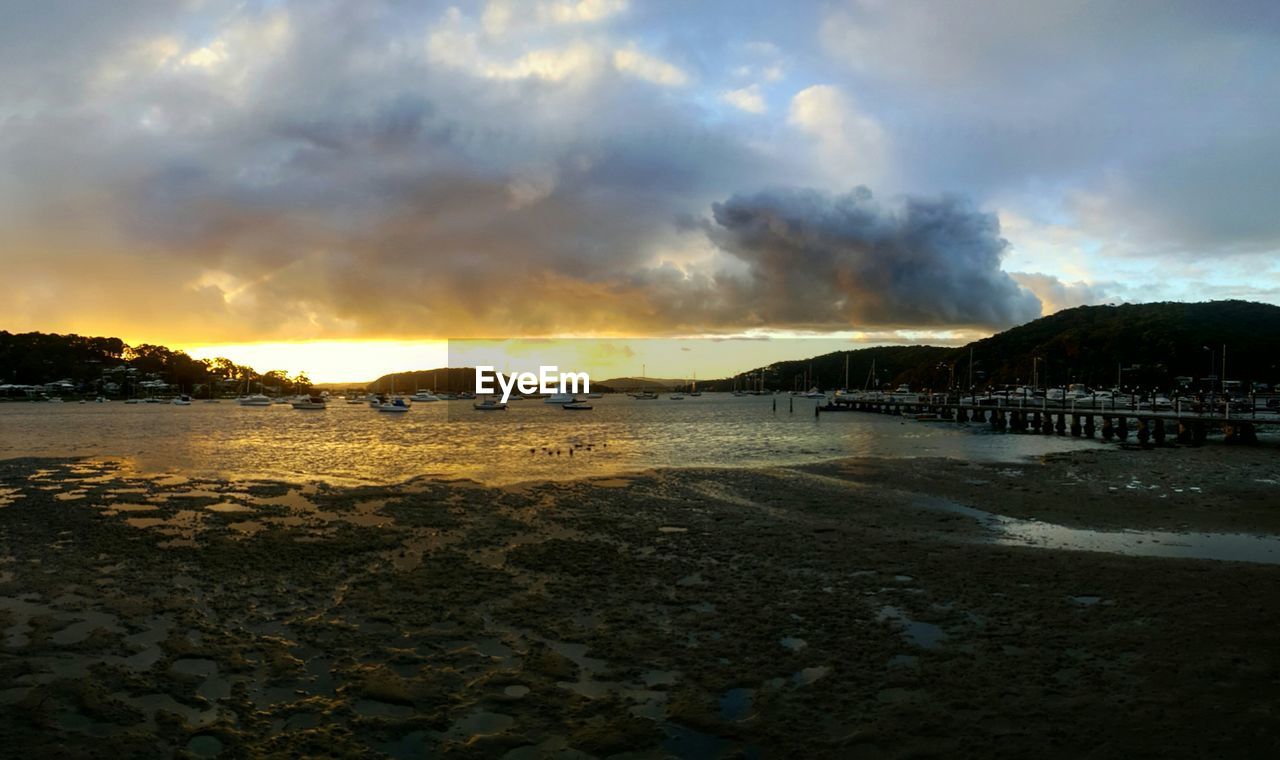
(204, 746)
(1086, 601)
(1010, 531)
(131, 508)
(228, 507)
(923, 635)
(809, 675)
(735, 704)
(793, 644)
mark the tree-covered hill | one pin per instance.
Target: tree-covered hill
(1141, 346)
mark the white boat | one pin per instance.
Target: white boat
(577, 406)
(310, 402)
(396, 405)
(424, 396)
(813, 393)
(559, 398)
(645, 396)
(183, 400)
(489, 405)
(676, 397)
(131, 401)
(256, 399)
(100, 400)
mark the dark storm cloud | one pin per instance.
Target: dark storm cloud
(818, 259)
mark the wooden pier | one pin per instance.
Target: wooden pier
(1148, 426)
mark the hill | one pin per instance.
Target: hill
(1133, 345)
(828, 370)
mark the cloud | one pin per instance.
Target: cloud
(220, 170)
(816, 259)
(632, 61)
(747, 99)
(500, 16)
(851, 144)
(1147, 122)
(1056, 295)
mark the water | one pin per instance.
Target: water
(1237, 547)
(530, 441)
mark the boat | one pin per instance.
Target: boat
(594, 395)
(676, 397)
(183, 400)
(100, 400)
(489, 405)
(131, 401)
(394, 405)
(256, 399)
(644, 379)
(577, 406)
(424, 396)
(355, 400)
(559, 398)
(310, 402)
(813, 393)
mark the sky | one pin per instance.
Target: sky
(348, 183)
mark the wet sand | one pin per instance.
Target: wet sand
(847, 609)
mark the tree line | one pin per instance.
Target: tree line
(92, 362)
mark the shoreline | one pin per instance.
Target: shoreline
(675, 612)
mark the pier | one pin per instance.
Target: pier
(1110, 422)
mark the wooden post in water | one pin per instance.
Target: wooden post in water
(1075, 426)
(1108, 432)
(1144, 431)
(1088, 425)
(1159, 431)
(1122, 428)
(1061, 426)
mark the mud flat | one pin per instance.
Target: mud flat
(864, 608)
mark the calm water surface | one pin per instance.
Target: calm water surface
(530, 441)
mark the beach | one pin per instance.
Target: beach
(852, 608)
